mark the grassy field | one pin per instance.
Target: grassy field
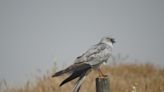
(123, 78)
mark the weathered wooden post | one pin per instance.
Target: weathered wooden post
(102, 84)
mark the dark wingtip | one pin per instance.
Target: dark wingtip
(58, 73)
(61, 84)
(53, 75)
(71, 77)
(81, 70)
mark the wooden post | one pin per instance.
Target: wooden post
(102, 84)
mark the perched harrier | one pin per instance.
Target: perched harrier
(91, 59)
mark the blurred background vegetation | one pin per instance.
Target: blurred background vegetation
(124, 77)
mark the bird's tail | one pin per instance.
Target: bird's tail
(79, 82)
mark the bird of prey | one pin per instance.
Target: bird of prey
(91, 59)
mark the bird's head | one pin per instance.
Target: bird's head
(108, 40)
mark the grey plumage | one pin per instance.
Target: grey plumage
(95, 55)
(91, 59)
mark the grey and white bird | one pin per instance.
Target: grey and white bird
(91, 59)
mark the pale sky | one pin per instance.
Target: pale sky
(35, 33)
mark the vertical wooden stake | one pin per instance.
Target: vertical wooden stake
(102, 84)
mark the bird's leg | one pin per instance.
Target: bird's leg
(101, 74)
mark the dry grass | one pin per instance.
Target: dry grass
(123, 78)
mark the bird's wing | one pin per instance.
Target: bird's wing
(75, 69)
(94, 53)
(93, 56)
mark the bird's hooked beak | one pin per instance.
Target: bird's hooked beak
(113, 41)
